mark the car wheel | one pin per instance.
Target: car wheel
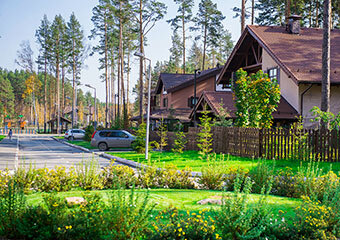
(71, 138)
(102, 146)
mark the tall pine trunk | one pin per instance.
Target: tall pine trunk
(45, 93)
(58, 87)
(243, 15)
(106, 80)
(74, 84)
(204, 46)
(252, 11)
(183, 28)
(141, 48)
(325, 98)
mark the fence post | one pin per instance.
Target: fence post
(260, 142)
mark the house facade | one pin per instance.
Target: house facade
(294, 59)
(174, 93)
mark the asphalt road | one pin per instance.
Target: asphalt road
(42, 151)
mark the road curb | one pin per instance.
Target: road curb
(123, 161)
(104, 155)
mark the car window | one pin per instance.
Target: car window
(103, 134)
(75, 131)
(122, 135)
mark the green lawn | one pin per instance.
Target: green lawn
(191, 159)
(2, 137)
(84, 144)
(183, 199)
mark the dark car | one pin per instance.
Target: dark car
(105, 139)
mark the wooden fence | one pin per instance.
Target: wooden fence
(269, 143)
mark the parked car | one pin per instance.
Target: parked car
(73, 134)
(106, 139)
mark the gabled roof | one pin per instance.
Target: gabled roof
(169, 80)
(174, 81)
(181, 114)
(214, 100)
(299, 55)
(201, 77)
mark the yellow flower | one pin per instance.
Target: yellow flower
(59, 229)
(180, 230)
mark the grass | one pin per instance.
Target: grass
(2, 137)
(182, 199)
(191, 159)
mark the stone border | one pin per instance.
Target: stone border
(103, 154)
(123, 161)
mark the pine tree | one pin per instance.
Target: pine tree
(102, 20)
(180, 21)
(176, 51)
(6, 96)
(77, 55)
(43, 35)
(208, 21)
(56, 48)
(147, 13)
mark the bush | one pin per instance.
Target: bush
(284, 183)
(232, 174)
(89, 130)
(179, 142)
(260, 175)
(176, 179)
(88, 174)
(204, 136)
(128, 215)
(237, 219)
(170, 224)
(213, 175)
(118, 176)
(12, 205)
(139, 144)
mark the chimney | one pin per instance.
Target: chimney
(294, 24)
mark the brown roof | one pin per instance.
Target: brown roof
(299, 55)
(170, 80)
(214, 99)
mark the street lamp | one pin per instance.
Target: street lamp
(95, 104)
(195, 101)
(141, 55)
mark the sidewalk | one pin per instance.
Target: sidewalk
(8, 152)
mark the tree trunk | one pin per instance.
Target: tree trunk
(62, 88)
(325, 98)
(252, 11)
(106, 80)
(243, 15)
(45, 93)
(128, 81)
(183, 29)
(74, 94)
(287, 11)
(141, 48)
(58, 89)
(204, 46)
(113, 100)
(317, 14)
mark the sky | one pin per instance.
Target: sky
(19, 20)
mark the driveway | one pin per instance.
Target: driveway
(42, 151)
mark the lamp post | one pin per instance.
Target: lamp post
(141, 55)
(95, 104)
(195, 101)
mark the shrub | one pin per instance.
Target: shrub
(232, 174)
(4, 179)
(260, 175)
(315, 221)
(88, 175)
(176, 179)
(139, 144)
(179, 142)
(128, 214)
(284, 183)
(89, 130)
(118, 176)
(148, 177)
(25, 177)
(204, 139)
(162, 133)
(170, 224)
(213, 175)
(237, 219)
(12, 205)
(57, 179)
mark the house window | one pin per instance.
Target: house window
(165, 102)
(274, 73)
(192, 102)
(164, 91)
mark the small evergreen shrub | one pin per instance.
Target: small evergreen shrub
(204, 136)
(179, 142)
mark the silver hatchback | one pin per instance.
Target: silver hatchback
(105, 139)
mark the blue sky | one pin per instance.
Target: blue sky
(19, 20)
